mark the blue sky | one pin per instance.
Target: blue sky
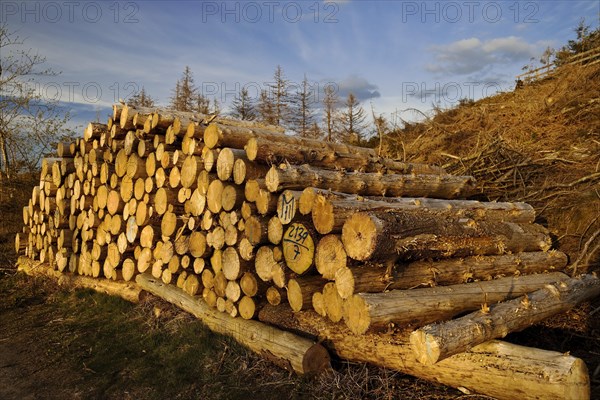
(395, 55)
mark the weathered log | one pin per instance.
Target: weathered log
(433, 343)
(418, 235)
(371, 184)
(418, 307)
(220, 135)
(373, 278)
(330, 209)
(93, 131)
(327, 155)
(300, 291)
(285, 349)
(128, 291)
(497, 369)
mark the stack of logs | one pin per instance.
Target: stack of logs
(240, 214)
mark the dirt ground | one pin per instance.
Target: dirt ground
(57, 343)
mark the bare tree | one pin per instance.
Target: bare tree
(30, 124)
(352, 120)
(302, 113)
(330, 102)
(279, 95)
(202, 104)
(142, 99)
(266, 108)
(243, 107)
(314, 131)
(216, 107)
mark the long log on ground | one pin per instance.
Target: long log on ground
(126, 290)
(420, 235)
(283, 348)
(369, 184)
(373, 278)
(498, 369)
(418, 307)
(436, 342)
(327, 155)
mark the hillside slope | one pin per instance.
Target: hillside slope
(539, 143)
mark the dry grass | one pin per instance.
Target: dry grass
(539, 144)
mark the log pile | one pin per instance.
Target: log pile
(240, 216)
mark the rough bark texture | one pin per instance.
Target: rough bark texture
(497, 369)
(283, 348)
(418, 307)
(370, 184)
(433, 343)
(414, 235)
(373, 278)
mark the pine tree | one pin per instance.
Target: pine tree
(352, 120)
(279, 94)
(266, 108)
(142, 99)
(243, 107)
(185, 96)
(202, 104)
(216, 107)
(302, 113)
(330, 102)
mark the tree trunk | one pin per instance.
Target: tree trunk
(283, 348)
(330, 210)
(418, 307)
(327, 155)
(433, 343)
(420, 235)
(497, 369)
(374, 278)
(370, 184)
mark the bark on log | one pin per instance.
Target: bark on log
(128, 291)
(418, 307)
(370, 184)
(283, 348)
(330, 209)
(373, 278)
(433, 343)
(300, 291)
(418, 235)
(327, 155)
(497, 369)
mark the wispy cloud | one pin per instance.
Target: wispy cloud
(467, 56)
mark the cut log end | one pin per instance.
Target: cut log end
(359, 236)
(356, 315)
(298, 248)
